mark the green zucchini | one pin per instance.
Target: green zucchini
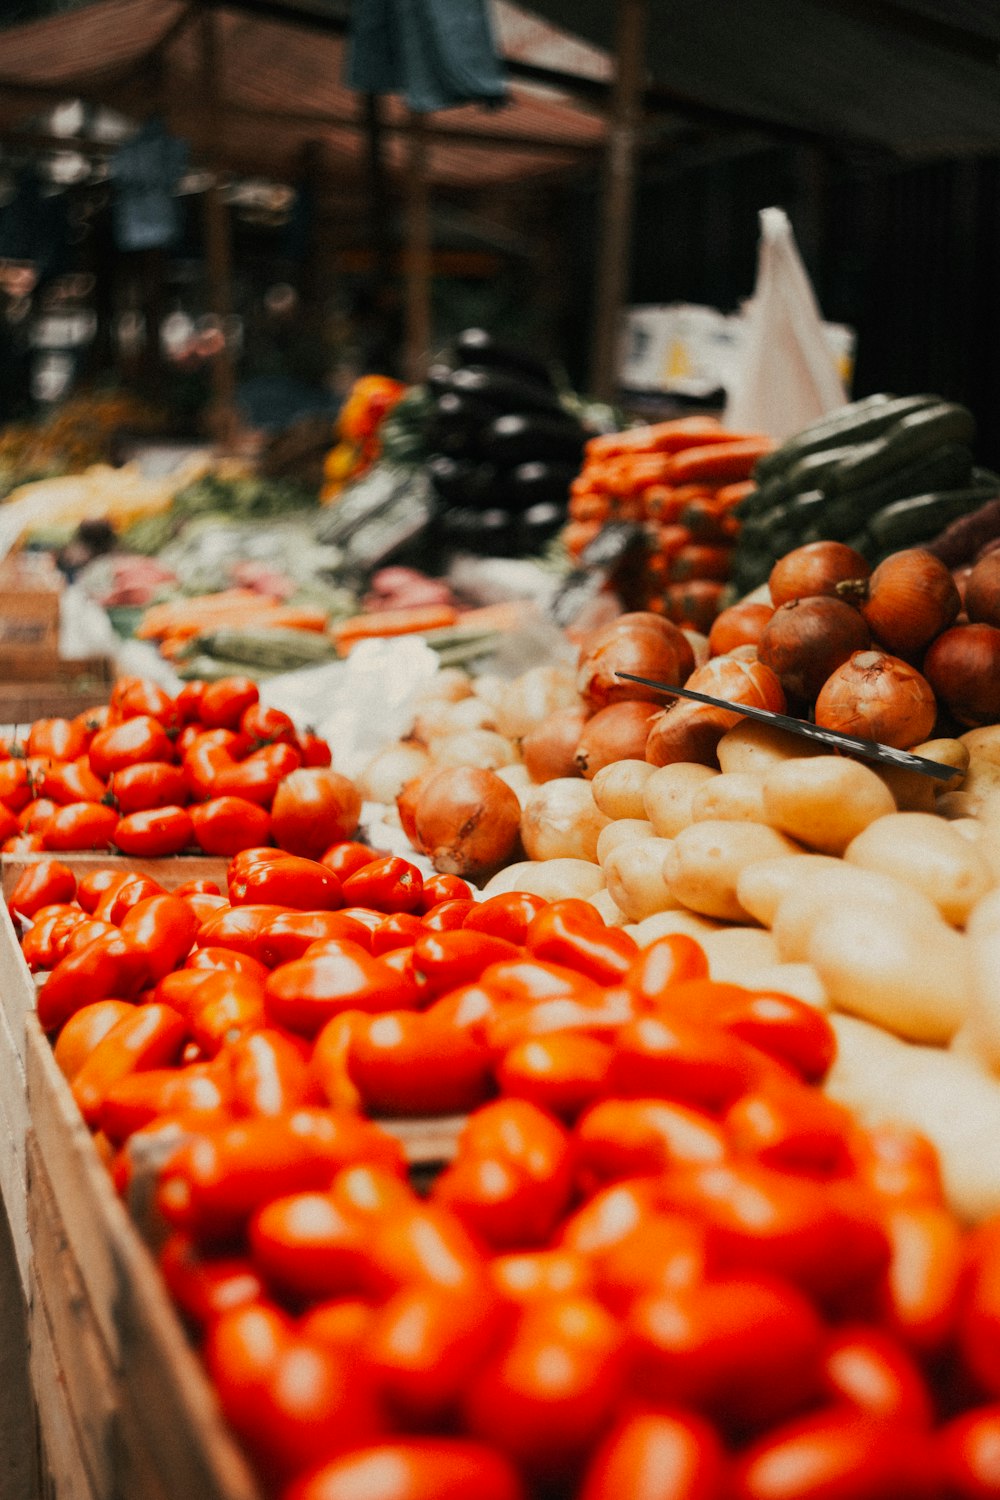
(946, 467)
(920, 432)
(920, 518)
(856, 423)
(272, 650)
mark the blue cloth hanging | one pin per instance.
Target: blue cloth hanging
(437, 53)
(145, 172)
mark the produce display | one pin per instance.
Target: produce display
(880, 474)
(684, 481)
(210, 770)
(79, 432)
(661, 1261)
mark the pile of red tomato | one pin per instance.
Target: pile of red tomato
(662, 1265)
(209, 770)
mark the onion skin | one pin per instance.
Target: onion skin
(807, 639)
(642, 643)
(816, 568)
(878, 697)
(468, 821)
(618, 732)
(689, 731)
(963, 668)
(908, 600)
(549, 749)
(739, 625)
(406, 805)
(982, 590)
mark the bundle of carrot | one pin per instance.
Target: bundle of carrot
(682, 479)
(176, 622)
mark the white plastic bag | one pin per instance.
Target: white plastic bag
(785, 376)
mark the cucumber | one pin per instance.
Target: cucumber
(919, 518)
(946, 467)
(763, 498)
(812, 471)
(856, 423)
(908, 438)
(274, 650)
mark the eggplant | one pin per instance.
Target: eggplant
(507, 391)
(457, 423)
(450, 477)
(475, 346)
(537, 483)
(518, 437)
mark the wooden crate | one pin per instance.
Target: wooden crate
(67, 689)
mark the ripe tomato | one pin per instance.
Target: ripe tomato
(657, 1456)
(342, 1323)
(446, 916)
(205, 1287)
(969, 1454)
(438, 888)
(669, 1057)
(314, 750)
(162, 929)
(538, 1275)
(571, 933)
(406, 1063)
(72, 781)
(57, 739)
(187, 704)
(8, 825)
(444, 960)
(313, 808)
(919, 1293)
(288, 881)
(638, 1137)
(141, 698)
(564, 1072)
(508, 916)
(127, 744)
(414, 1469)
(866, 1368)
(224, 825)
(106, 968)
(401, 930)
(119, 899)
(309, 1246)
(222, 704)
(667, 961)
(788, 1030)
(81, 825)
(95, 884)
(268, 1074)
(43, 884)
(793, 1128)
(306, 993)
(16, 789)
(347, 856)
(839, 1456)
(154, 832)
(665, 1253)
(151, 1036)
(139, 1098)
(83, 1031)
(238, 928)
(224, 958)
(267, 725)
(422, 1246)
(389, 884)
(979, 1312)
(258, 777)
(34, 817)
(290, 934)
(424, 1346)
(148, 784)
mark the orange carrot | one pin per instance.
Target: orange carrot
(720, 462)
(696, 561)
(391, 622)
(659, 437)
(731, 494)
(588, 505)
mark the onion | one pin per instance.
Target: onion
(561, 820)
(878, 697)
(449, 684)
(982, 590)
(963, 668)
(386, 774)
(618, 732)
(531, 697)
(468, 821)
(739, 625)
(406, 804)
(549, 749)
(474, 747)
(908, 600)
(698, 643)
(644, 644)
(313, 808)
(442, 717)
(816, 568)
(807, 639)
(689, 731)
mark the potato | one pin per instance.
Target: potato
(518, 780)
(819, 888)
(824, 802)
(980, 1035)
(552, 879)
(761, 886)
(618, 788)
(911, 791)
(704, 862)
(735, 797)
(798, 980)
(669, 792)
(751, 748)
(607, 908)
(734, 951)
(634, 873)
(911, 978)
(945, 1097)
(560, 820)
(924, 851)
(664, 923)
(985, 915)
(622, 831)
(980, 791)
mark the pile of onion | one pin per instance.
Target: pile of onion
(816, 568)
(465, 819)
(878, 697)
(963, 668)
(908, 600)
(641, 643)
(807, 639)
(982, 591)
(691, 731)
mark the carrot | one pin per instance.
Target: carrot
(670, 539)
(630, 473)
(721, 462)
(588, 505)
(577, 535)
(696, 561)
(731, 494)
(226, 607)
(391, 622)
(496, 616)
(708, 523)
(659, 437)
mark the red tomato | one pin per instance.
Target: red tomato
(571, 933)
(225, 958)
(608, 1218)
(347, 856)
(42, 884)
(205, 758)
(666, 1056)
(308, 1246)
(150, 1037)
(81, 825)
(224, 825)
(162, 929)
(414, 1469)
(238, 928)
(222, 704)
(57, 739)
(268, 1074)
(306, 993)
(205, 1287)
(390, 884)
(104, 969)
(140, 739)
(746, 1349)
(34, 817)
(9, 828)
(665, 1253)
(439, 888)
(187, 704)
(794, 1033)
(267, 725)
(424, 1346)
(16, 788)
(138, 1098)
(24, 843)
(657, 1456)
(290, 934)
(539, 1275)
(969, 1454)
(222, 1020)
(406, 1064)
(288, 881)
(148, 784)
(531, 979)
(155, 832)
(669, 960)
(919, 1294)
(44, 943)
(120, 899)
(867, 1369)
(313, 808)
(444, 960)
(314, 750)
(83, 1031)
(343, 1323)
(446, 916)
(258, 777)
(899, 1163)
(979, 1313)
(793, 1128)
(95, 884)
(564, 1072)
(401, 930)
(639, 1137)
(422, 1246)
(837, 1455)
(145, 699)
(72, 781)
(508, 916)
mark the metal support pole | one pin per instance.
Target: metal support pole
(418, 257)
(617, 196)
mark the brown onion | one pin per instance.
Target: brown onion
(642, 643)
(690, 731)
(739, 625)
(807, 639)
(549, 749)
(878, 697)
(963, 668)
(468, 821)
(982, 590)
(618, 732)
(406, 804)
(908, 600)
(816, 568)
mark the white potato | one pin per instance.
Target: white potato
(664, 923)
(704, 862)
(984, 917)
(761, 887)
(668, 794)
(622, 831)
(734, 797)
(798, 980)
(561, 820)
(751, 748)
(618, 788)
(517, 778)
(386, 774)
(552, 879)
(634, 873)
(912, 979)
(821, 887)
(824, 802)
(735, 951)
(606, 907)
(924, 851)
